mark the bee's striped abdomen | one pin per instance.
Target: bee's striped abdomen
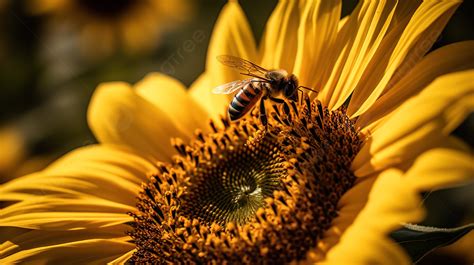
(244, 100)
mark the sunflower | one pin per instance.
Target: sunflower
(105, 26)
(172, 180)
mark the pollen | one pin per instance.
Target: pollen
(247, 194)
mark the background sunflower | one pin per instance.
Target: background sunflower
(47, 75)
(104, 26)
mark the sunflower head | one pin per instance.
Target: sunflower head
(309, 187)
(243, 193)
(107, 26)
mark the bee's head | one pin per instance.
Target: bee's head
(290, 90)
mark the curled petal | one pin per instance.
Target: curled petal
(451, 58)
(421, 123)
(231, 36)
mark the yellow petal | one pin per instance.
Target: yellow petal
(357, 42)
(99, 172)
(214, 105)
(395, 199)
(280, 39)
(440, 168)
(170, 96)
(91, 189)
(63, 221)
(358, 193)
(405, 9)
(419, 124)
(124, 258)
(79, 201)
(231, 36)
(117, 115)
(397, 55)
(450, 142)
(52, 213)
(31, 239)
(91, 251)
(390, 203)
(451, 58)
(350, 205)
(316, 35)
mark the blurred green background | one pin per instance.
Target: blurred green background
(51, 62)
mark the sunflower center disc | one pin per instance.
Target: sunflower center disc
(246, 195)
(239, 179)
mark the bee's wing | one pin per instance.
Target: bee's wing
(241, 64)
(230, 87)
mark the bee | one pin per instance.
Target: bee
(264, 84)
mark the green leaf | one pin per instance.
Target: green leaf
(420, 240)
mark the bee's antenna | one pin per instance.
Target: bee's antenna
(305, 87)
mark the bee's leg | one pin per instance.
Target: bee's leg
(277, 100)
(263, 112)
